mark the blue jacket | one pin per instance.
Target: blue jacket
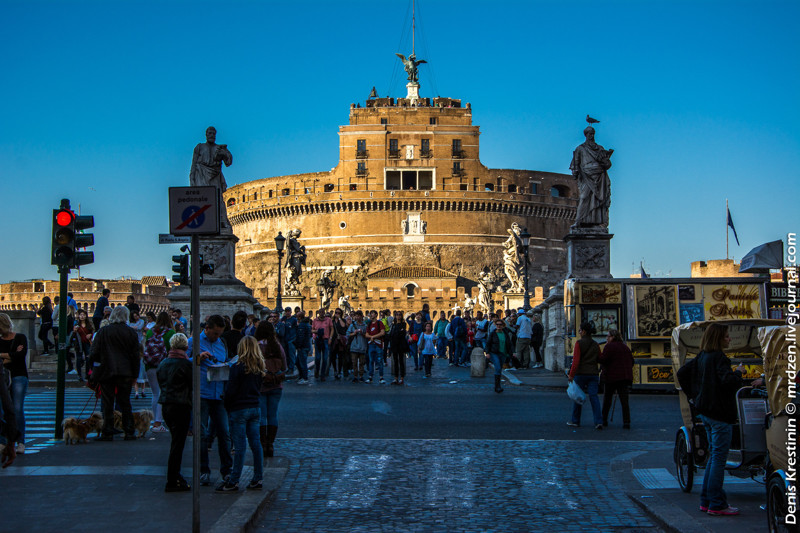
(289, 329)
(302, 339)
(209, 390)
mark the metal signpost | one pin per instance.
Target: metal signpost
(194, 211)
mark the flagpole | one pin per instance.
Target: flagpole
(727, 254)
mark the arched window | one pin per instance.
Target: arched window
(488, 186)
(410, 289)
(231, 202)
(328, 187)
(559, 191)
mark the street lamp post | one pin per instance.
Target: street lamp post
(526, 242)
(280, 242)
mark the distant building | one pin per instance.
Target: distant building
(409, 191)
(717, 268)
(150, 293)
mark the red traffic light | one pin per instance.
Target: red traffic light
(64, 218)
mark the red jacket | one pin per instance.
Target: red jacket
(617, 362)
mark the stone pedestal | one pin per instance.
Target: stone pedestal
(293, 301)
(588, 253)
(513, 300)
(221, 293)
(413, 92)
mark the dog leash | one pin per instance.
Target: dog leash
(96, 398)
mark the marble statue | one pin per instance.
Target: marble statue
(411, 63)
(590, 163)
(206, 171)
(295, 260)
(344, 304)
(469, 303)
(485, 287)
(513, 258)
(326, 285)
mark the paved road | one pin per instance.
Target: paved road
(449, 454)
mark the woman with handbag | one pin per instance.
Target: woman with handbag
(271, 385)
(242, 399)
(13, 351)
(585, 372)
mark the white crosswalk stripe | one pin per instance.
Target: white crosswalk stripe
(40, 412)
(358, 484)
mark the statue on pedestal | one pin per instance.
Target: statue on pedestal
(486, 285)
(326, 286)
(295, 260)
(206, 171)
(344, 305)
(513, 258)
(410, 64)
(590, 161)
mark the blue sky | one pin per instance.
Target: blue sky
(103, 102)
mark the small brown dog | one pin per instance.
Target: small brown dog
(95, 423)
(75, 430)
(141, 421)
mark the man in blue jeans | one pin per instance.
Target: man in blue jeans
(289, 334)
(374, 336)
(458, 329)
(212, 350)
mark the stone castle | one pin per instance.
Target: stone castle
(409, 190)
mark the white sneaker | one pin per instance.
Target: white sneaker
(20, 448)
(302, 382)
(73, 372)
(383, 381)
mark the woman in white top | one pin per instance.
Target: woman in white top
(427, 348)
(137, 324)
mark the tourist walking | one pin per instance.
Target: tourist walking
(321, 328)
(102, 303)
(616, 361)
(81, 343)
(242, 401)
(500, 348)
(458, 329)
(175, 398)
(358, 346)
(524, 331)
(14, 352)
(398, 346)
(271, 388)
(45, 313)
(157, 339)
(537, 336)
(708, 381)
(115, 364)
(427, 348)
(302, 344)
(585, 372)
(210, 349)
(374, 336)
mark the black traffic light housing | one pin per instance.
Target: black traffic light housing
(205, 268)
(66, 239)
(181, 269)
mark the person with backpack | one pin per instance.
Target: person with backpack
(458, 328)
(155, 351)
(358, 346)
(271, 385)
(427, 348)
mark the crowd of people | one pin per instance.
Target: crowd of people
(119, 353)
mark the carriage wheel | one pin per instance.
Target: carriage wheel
(776, 505)
(684, 462)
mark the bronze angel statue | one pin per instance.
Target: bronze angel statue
(410, 63)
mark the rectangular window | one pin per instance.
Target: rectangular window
(425, 180)
(393, 180)
(457, 152)
(433, 121)
(534, 188)
(361, 148)
(409, 180)
(394, 151)
(425, 148)
(270, 194)
(384, 121)
(353, 187)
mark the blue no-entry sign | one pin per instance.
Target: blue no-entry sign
(194, 210)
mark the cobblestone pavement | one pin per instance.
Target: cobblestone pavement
(452, 485)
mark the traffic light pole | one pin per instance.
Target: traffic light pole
(198, 428)
(63, 272)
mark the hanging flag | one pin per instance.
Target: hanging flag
(730, 223)
(642, 272)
